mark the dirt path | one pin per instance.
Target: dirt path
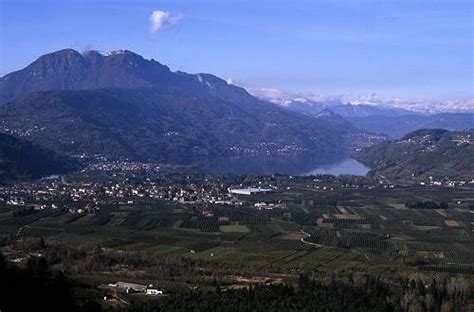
(309, 243)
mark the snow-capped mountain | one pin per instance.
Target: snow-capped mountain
(364, 105)
(435, 107)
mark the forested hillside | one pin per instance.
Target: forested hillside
(422, 154)
(20, 159)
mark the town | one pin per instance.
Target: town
(127, 181)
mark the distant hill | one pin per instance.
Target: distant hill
(422, 154)
(123, 106)
(20, 159)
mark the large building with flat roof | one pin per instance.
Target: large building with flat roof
(249, 191)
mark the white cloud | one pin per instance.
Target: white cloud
(160, 19)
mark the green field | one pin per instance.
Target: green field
(234, 228)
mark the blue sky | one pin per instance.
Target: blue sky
(405, 48)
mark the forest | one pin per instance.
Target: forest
(45, 279)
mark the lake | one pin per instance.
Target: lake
(345, 166)
(286, 165)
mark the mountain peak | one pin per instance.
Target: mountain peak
(120, 52)
(64, 54)
(329, 115)
(69, 69)
(326, 113)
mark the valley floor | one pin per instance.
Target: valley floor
(190, 235)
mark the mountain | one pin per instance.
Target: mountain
(313, 105)
(70, 70)
(20, 159)
(330, 116)
(397, 126)
(424, 107)
(163, 125)
(361, 110)
(123, 106)
(393, 118)
(384, 120)
(422, 154)
(358, 139)
(430, 107)
(307, 105)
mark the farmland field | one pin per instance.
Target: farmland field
(234, 229)
(306, 226)
(373, 227)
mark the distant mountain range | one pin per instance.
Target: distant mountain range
(122, 106)
(423, 154)
(398, 126)
(310, 106)
(20, 159)
(381, 119)
(370, 102)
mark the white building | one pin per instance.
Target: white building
(153, 292)
(249, 191)
(128, 287)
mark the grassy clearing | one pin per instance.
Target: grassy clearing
(234, 228)
(41, 231)
(166, 249)
(247, 256)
